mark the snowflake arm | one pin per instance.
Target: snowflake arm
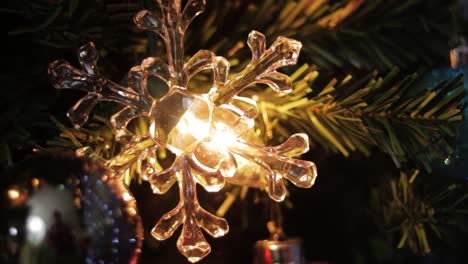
(191, 242)
(65, 76)
(276, 163)
(262, 67)
(170, 24)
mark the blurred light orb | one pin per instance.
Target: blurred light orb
(12, 231)
(13, 194)
(36, 229)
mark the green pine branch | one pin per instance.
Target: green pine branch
(335, 34)
(413, 217)
(338, 34)
(385, 112)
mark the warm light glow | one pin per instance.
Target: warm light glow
(127, 197)
(223, 138)
(35, 182)
(131, 211)
(77, 202)
(273, 247)
(13, 194)
(193, 126)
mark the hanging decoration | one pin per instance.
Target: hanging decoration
(278, 248)
(209, 133)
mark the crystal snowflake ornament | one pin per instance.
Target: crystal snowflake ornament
(207, 133)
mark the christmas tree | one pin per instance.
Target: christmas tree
(385, 129)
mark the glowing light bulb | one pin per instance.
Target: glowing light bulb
(13, 194)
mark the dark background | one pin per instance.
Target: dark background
(334, 218)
